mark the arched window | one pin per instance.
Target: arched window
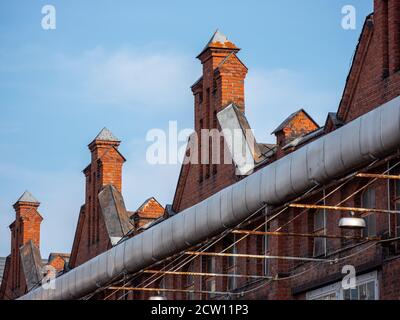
(161, 284)
(396, 198)
(265, 250)
(189, 282)
(231, 262)
(368, 200)
(211, 283)
(319, 225)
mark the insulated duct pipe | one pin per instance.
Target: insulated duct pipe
(370, 136)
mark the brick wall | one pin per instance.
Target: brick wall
(222, 83)
(25, 227)
(374, 77)
(372, 81)
(105, 168)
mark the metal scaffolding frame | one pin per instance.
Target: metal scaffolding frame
(255, 232)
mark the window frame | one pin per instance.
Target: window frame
(210, 281)
(336, 288)
(190, 285)
(319, 230)
(367, 216)
(231, 265)
(396, 200)
(266, 251)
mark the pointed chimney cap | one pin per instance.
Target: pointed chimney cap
(27, 197)
(219, 40)
(106, 135)
(218, 36)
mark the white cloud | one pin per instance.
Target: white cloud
(135, 78)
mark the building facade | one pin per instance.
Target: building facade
(294, 250)
(305, 233)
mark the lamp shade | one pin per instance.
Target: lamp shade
(352, 223)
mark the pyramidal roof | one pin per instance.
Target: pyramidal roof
(222, 40)
(27, 197)
(218, 36)
(106, 135)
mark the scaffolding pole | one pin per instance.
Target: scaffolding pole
(305, 235)
(182, 273)
(167, 290)
(337, 208)
(255, 256)
(377, 176)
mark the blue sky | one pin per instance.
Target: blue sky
(129, 65)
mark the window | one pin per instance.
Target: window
(93, 213)
(208, 126)
(210, 264)
(319, 247)
(396, 201)
(368, 201)
(99, 168)
(265, 250)
(200, 97)
(210, 280)
(214, 90)
(231, 263)
(397, 207)
(366, 289)
(161, 285)
(189, 285)
(211, 287)
(200, 153)
(215, 149)
(90, 222)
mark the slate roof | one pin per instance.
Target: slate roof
(106, 135)
(219, 40)
(2, 266)
(114, 212)
(333, 116)
(218, 36)
(27, 197)
(31, 263)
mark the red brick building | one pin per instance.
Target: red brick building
(306, 248)
(372, 81)
(23, 265)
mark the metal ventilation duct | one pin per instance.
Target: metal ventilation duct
(371, 136)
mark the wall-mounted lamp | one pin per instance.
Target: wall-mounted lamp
(352, 222)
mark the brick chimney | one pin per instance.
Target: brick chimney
(221, 84)
(25, 228)
(104, 169)
(106, 162)
(223, 77)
